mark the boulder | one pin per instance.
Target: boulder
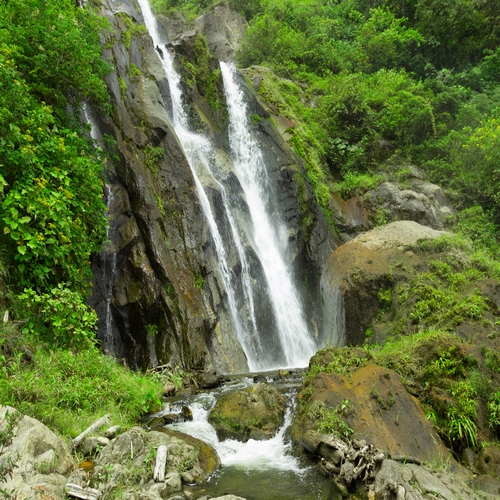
(209, 380)
(396, 480)
(133, 454)
(381, 411)
(41, 458)
(357, 270)
(253, 413)
(425, 203)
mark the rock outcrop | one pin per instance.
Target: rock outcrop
(381, 412)
(254, 413)
(357, 270)
(424, 203)
(158, 289)
(130, 460)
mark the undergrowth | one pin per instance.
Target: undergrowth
(68, 389)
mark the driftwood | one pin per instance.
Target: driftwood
(73, 490)
(95, 426)
(344, 462)
(161, 463)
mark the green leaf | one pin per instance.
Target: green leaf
(21, 249)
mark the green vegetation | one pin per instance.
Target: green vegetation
(7, 427)
(330, 421)
(52, 218)
(70, 389)
(450, 377)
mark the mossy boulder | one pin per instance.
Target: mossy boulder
(253, 413)
(377, 407)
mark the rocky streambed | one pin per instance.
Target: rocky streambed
(360, 436)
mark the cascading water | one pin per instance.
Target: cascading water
(108, 252)
(263, 469)
(280, 338)
(200, 154)
(269, 234)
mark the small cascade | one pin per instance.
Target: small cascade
(108, 253)
(270, 236)
(273, 453)
(262, 469)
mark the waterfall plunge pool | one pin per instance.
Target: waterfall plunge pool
(255, 470)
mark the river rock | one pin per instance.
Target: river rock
(357, 270)
(42, 459)
(129, 461)
(209, 380)
(253, 413)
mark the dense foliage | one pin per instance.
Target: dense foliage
(52, 217)
(378, 84)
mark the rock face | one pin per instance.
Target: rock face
(41, 459)
(223, 29)
(254, 413)
(358, 269)
(158, 290)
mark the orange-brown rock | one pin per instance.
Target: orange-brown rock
(382, 412)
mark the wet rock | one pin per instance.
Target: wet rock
(259, 379)
(209, 380)
(254, 413)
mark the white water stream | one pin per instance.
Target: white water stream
(269, 233)
(274, 453)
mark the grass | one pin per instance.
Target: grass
(68, 389)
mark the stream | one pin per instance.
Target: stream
(255, 470)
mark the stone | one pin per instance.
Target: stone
(253, 413)
(357, 270)
(380, 410)
(488, 461)
(209, 380)
(90, 446)
(112, 432)
(42, 459)
(169, 390)
(425, 203)
(224, 29)
(135, 450)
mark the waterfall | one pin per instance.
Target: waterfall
(277, 335)
(270, 236)
(200, 154)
